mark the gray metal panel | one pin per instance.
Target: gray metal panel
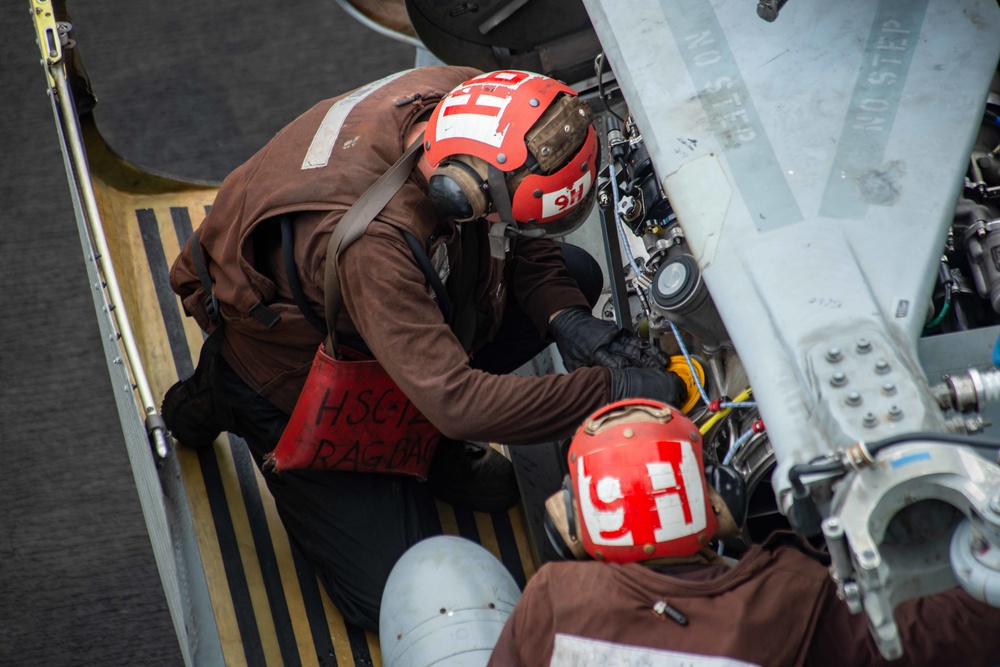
(814, 163)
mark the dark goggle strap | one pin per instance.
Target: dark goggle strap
(500, 232)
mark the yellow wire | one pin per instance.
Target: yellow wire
(714, 419)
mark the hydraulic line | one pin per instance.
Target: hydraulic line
(862, 454)
(757, 428)
(687, 358)
(740, 400)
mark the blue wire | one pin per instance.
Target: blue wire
(744, 404)
(618, 222)
(736, 446)
(687, 358)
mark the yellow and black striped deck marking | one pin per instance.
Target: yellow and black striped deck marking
(268, 604)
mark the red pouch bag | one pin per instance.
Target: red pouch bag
(352, 416)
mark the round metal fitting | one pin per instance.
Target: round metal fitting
(427, 145)
(832, 527)
(628, 433)
(583, 167)
(501, 158)
(834, 354)
(567, 128)
(839, 379)
(545, 151)
(895, 413)
(888, 388)
(995, 503)
(869, 559)
(870, 420)
(533, 102)
(854, 398)
(882, 367)
(864, 346)
(537, 194)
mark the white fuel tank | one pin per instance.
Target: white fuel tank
(444, 604)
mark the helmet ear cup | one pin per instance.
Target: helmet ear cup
(560, 520)
(456, 191)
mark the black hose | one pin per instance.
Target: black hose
(795, 473)
(943, 438)
(803, 515)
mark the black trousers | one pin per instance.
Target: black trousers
(353, 527)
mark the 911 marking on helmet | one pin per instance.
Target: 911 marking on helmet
(554, 203)
(671, 506)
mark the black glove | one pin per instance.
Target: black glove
(651, 383)
(584, 340)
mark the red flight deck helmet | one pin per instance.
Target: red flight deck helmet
(639, 484)
(525, 131)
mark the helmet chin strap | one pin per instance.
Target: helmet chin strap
(500, 232)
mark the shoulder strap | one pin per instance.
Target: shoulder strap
(292, 276)
(353, 225)
(211, 301)
(420, 254)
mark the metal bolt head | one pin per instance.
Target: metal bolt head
(870, 420)
(882, 367)
(501, 158)
(895, 413)
(545, 151)
(864, 346)
(533, 102)
(980, 232)
(567, 128)
(888, 388)
(628, 433)
(834, 354)
(854, 398)
(839, 379)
